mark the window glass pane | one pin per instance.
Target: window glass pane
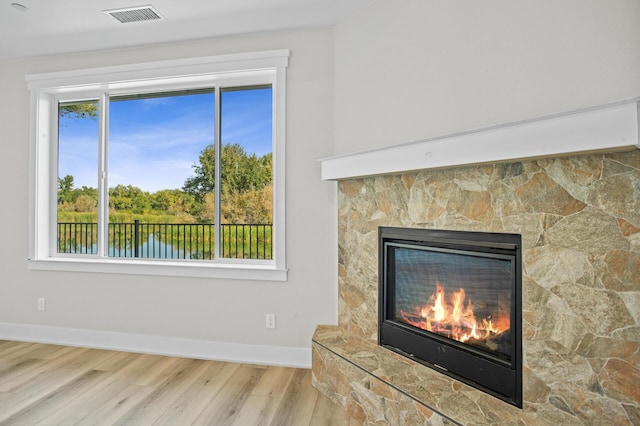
(246, 173)
(160, 180)
(77, 193)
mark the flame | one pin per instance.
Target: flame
(454, 318)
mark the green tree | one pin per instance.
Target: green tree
(65, 189)
(79, 109)
(164, 199)
(130, 198)
(203, 181)
(88, 191)
(171, 201)
(245, 190)
(240, 171)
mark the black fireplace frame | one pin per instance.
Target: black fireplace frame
(497, 377)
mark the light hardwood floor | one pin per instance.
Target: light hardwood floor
(60, 385)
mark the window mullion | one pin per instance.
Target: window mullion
(103, 182)
(53, 164)
(218, 162)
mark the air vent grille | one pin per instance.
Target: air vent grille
(134, 14)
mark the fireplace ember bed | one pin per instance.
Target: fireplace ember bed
(452, 300)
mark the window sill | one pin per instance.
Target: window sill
(244, 271)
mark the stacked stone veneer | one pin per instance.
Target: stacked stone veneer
(580, 223)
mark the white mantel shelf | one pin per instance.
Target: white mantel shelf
(613, 127)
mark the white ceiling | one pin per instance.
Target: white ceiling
(62, 26)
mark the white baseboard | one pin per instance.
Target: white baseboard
(158, 345)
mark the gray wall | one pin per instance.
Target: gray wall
(413, 69)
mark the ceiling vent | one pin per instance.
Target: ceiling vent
(134, 14)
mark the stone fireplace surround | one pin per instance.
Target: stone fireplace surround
(579, 216)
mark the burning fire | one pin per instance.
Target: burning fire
(454, 318)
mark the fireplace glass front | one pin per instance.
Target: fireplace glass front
(451, 300)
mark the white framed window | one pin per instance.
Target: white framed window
(164, 168)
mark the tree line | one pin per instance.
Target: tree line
(246, 191)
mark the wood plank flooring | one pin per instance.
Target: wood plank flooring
(60, 385)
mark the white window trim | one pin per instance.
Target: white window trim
(242, 68)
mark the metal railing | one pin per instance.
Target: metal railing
(169, 240)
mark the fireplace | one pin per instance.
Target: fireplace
(452, 301)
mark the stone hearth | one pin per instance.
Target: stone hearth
(580, 222)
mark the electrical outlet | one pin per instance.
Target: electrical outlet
(271, 321)
(41, 303)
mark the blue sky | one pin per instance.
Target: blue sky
(154, 142)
